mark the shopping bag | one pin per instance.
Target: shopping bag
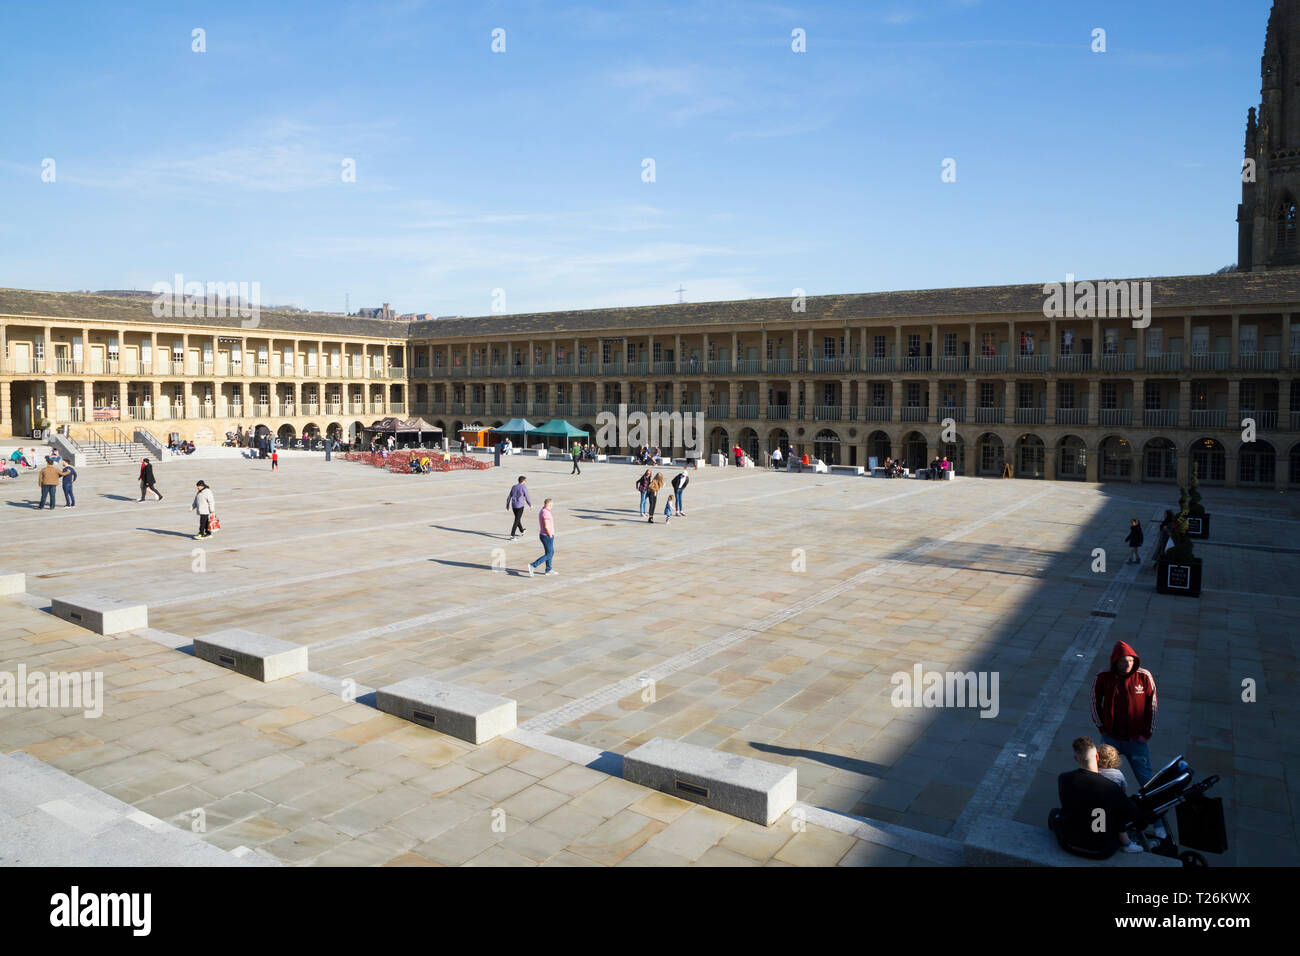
(214, 523)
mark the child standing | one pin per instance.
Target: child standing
(275, 460)
(1134, 541)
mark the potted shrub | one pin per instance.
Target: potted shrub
(1198, 520)
(1178, 570)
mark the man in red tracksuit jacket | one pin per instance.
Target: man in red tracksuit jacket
(1124, 709)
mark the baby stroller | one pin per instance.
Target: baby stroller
(1200, 818)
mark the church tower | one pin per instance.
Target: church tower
(1268, 225)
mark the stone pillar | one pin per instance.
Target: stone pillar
(1284, 360)
(934, 348)
(733, 398)
(1094, 406)
(1187, 342)
(972, 458)
(1009, 401)
(1096, 345)
(898, 349)
(1234, 404)
(677, 352)
(762, 398)
(6, 419)
(846, 397)
(1013, 344)
(1184, 467)
(896, 402)
(50, 404)
(121, 394)
(88, 401)
(1050, 454)
(974, 352)
(862, 401)
(972, 399)
(1141, 361)
(1091, 467)
(1050, 417)
(1234, 361)
(1053, 344)
(1230, 464)
(1135, 470)
(1185, 404)
(735, 350)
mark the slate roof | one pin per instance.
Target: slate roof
(1201, 292)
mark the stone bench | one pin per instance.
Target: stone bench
(847, 470)
(472, 715)
(251, 654)
(996, 841)
(619, 459)
(751, 789)
(13, 582)
(101, 613)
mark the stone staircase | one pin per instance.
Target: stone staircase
(114, 448)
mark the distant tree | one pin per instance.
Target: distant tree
(1226, 269)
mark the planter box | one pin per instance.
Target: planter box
(1174, 578)
(1198, 527)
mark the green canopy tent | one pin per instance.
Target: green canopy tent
(516, 426)
(557, 428)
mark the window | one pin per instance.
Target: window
(949, 394)
(1109, 395)
(112, 351)
(913, 394)
(1201, 340)
(913, 345)
(987, 395)
(878, 346)
(1110, 341)
(828, 348)
(658, 352)
(949, 344)
(1249, 339)
(988, 343)
(1155, 341)
(1248, 394)
(38, 348)
(1067, 342)
(1151, 401)
(879, 394)
(1065, 395)
(1027, 342)
(1025, 395)
(1286, 225)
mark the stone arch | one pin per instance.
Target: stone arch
(1208, 457)
(1160, 460)
(1031, 457)
(747, 439)
(334, 430)
(1115, 459)
(1072, 458)
(955, 452)
(879, 446)
(914, 450)
(719, 441)
(990, 454)
(285, 434)
(826, 446)
(1256, 464)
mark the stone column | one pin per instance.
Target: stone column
(1013, 345)
(846, 394)
(974, 352)
(972, 399)
(1185, 404)
(1094, 406)
(1234, 361)
(1091, 468)
(1051, 402)
(896, 402)
(862, 401)
(1050, 455)
(1187, 342)
(733, 398)
(1052, 346)
(935, 350)
(735, 350)
(1096, 346)
(1141, 362)
(1234, 403)
(1009, 401)
(677, 356)
(1284, 360)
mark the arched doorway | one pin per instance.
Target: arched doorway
(748, 440)
(311, 431)
(778, 438)
(1030, 457)
(1072, 459)
(285, 435)
(354, 432)
(955, 452)
(1160, 461)
(1209, 460)
(914, 451)
(992, 454)
(719, 442)
(1116, 459)
(826, 446)
(879, 447)
(334, 430)
(1256, 464)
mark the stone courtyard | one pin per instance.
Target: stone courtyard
(767, 622)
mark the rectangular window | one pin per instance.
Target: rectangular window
(1065, 395)
(1025, 395)
(879, 394)
(1201, 340)
(1249, 339)
(1109, 398)
(950, 344)
(878, 346)
(1151, 398)
(988, 343)
(913, 394)
(1247, 396)
(986, 395)
(1067, 342)
(1027, 342)
(112, 351)
(913, 345)
(658, 352)
(828, 347)
(38, 348)
(1155, 341)
(1110, 341)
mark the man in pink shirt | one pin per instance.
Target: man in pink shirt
(546, 529)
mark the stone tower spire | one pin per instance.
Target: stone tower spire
(1268, 219)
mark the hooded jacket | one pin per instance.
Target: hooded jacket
(1124, 705)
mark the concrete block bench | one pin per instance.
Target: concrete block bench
(847, 470)
(461, 712)
(251, 654)
(13, 582)
(718, 461)
(751, 789)
(101, 613)
(996, 841)
(619, 459)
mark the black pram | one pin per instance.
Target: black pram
(1200, 818)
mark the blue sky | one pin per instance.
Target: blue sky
(522, 170)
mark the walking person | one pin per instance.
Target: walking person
(680, 481)
(515, 501)
(1124, 709)
(1134, 541)
(643, 486)
(47, 480)
(656, 483)
(546, 532)
(275, 460)
(147, 479)
(789, 458)
(68, 475)
(577, 456)
(205, 505)
(776, 458)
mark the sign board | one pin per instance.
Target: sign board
(1194, 525)
(107, 414)
(1178, 577)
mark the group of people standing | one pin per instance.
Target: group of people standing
(516, 501)
(649, 486)
(49, 479)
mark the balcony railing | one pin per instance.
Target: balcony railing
(952, 363)
(778, 412)
(1118, 362)
(1164, 362)
(956, 412)
(830, 364)
(914, 363)
(586, 409)
(1257, 361)
(1071, 416)
(747, 411)
(1031, 416)
(914, 413)
(142, 413)
(718, 366)
(1031, 363)
(990, 363)
(1210, 361)
(826, 413)
(990, 415)
(1264, 417)
(1160, 417)
(780, 366)
(664, 368)
(878, 413)
(639, 368)
(876, 365)
(1073, 363)
(1115, 416)
(717, 412)
(1209, 418)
